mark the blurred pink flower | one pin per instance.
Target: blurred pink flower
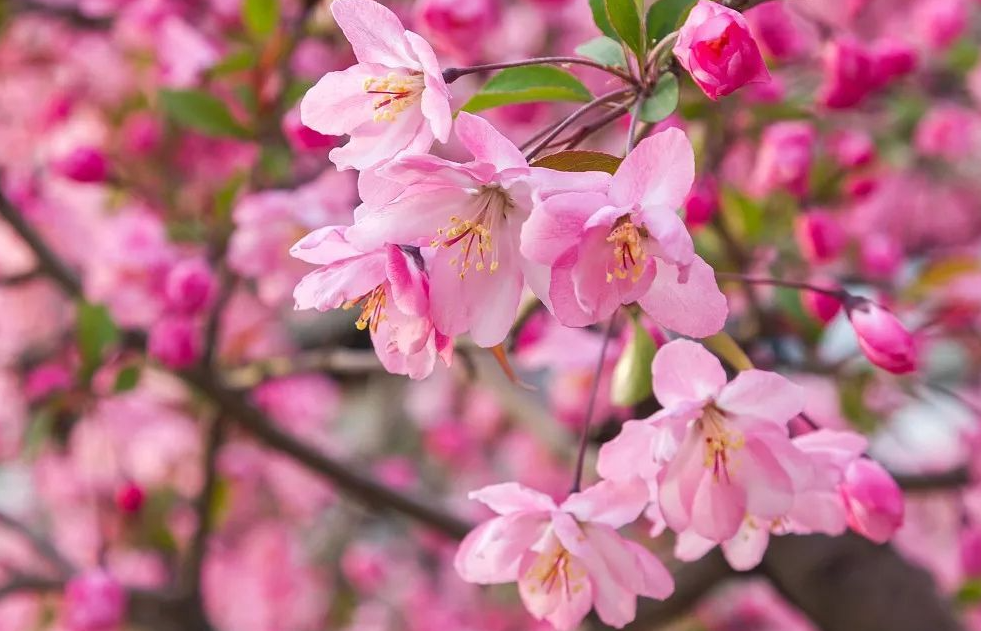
(848, 74)
(94, 601)
(874, 500)
(784, 158)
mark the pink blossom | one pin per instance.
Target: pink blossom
(892, 59)
(130, 498)
(303, 139)
(821, 306)
(719, 451)
(702, 203)
(457, 26)
(715, 45)
(388, 284)
(848, 74)
(819, 236)
(565, 558)
(874, 500)
(784, 158)
(175, 341)
(190, 285)
(949, 131)
(470, 214)
(781, 32)
(880, 255)
(627, 244)
(393, 99)
(882, 337)
(941, 22)
(94, 601)
(84, 164)
(852, 148)
(141, 134)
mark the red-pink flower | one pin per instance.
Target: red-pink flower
(848, 74)
(471, 214)
(882, 337)
(566, 558)
(784, 158)
(715, 45)
(94, 601)
(393, 99)
(819, 236)
(390, 287)
(720, 451)
(874, 500)
(627, 244)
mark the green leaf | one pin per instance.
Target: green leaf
(604, 50)
(95, 332)
(631, 382)
(235, 62)
(725, 347)
(600, 18)
(666, 16)
(528, 84)
(127, 379)
(260, 16)
(579, 161)
(201, 111)
(663, 101)
(969, 592)
(625, 20)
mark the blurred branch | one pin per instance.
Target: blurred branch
(203, 508)
(24, 583)
(20, 279)
(953, 479)
(70, 15)
(49, 262)
(336, 361)
(41, 545)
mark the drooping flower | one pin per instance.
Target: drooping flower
(628, 244)
(390, 287)
(716, 46)
(873, 499)
(882, 337)
(471, 214)
(394, 99)
(565, 558)
(719, 451)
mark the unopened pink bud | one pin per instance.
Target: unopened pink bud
(174, 342)
(94, 601)
(941, 22)
(880, 255)
(46, 380)
(784, 158)
(819, 305)
(716, 46)
(457, 26)
(971, 552)
(882, 337)
(702, 202)
(851, 148)
(130, 498)
(873, 500)
(848, 77)
(142, 134)
(892, 59)
(84, 164)
(819, 236)
(190, 286)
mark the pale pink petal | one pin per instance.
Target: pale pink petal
(696, 308)
(511, 497)
(656, 581)
(487, 144)
(325, 246)
(718, 509)
(679, 480)
(436, 97)
(819, 511)
(562, 293)
(685, 372)
(548, 182)
(563, 605)
(556, 224)
(762, 395)
(745, 550)
(413, 218)
(338, 103)
(375, 142)
(375, 33)
(769, 490)
(611, 502)
(492, 552)
(630, 453)
(658, 173)
(330, 287)
(614, 574)
(415, 365)
(690, 546)
(410, 287)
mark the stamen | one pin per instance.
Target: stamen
(719, 440)
(372, 309)
(474, 235)
(397, 92)
(628, 253)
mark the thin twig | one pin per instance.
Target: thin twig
(588, 130)
(572, 118)
(41, 545)
(191, 580)
(591, 405)
(452, 74)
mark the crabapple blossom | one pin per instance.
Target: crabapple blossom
(394, 99)
(94, 601)
(784, 159)
(605, 248)
(882, 337)
(566, 558)
(716, 46)
(819, 236)
(873, 499)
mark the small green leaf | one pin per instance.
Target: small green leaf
(631, 381)
(604, 50)
(235, 62)
(127, 379)
(260, 16)
(528, 84)
(725, 347)
(95, 331)
(663, 101)
(201, 111)
(666, 16)
(600, 18)
(625, 20)
(969, 592)
(579, 161)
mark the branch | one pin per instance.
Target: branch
(41, 545)
(557, 129)
(191, 579)
(49, 262)
(953, 479)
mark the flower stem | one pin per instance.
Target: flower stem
(557, 129)
(591, 406)
(452, 74)
(839, 294)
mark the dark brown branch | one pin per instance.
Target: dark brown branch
(953, 479)
(191, 580)
(23, 583)
(49, 262)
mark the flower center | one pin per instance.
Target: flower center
(629, 257)
(372, 309)
(716, 45)
(395, 93)
(474, 234)
(719, 439)
(554, 569)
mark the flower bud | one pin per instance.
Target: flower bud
(174, 342)
(948, 131)
(702, 202)
(882, 337)
(784, 158)
(715, 45)
(94, 601)
(819, 236)
(851, 148)
(84, 164)
(130, 498)
(142, 134)
(941, 22)
(819, 305)
(779, 32)
(891, 59)
(848, 77)
(303, 139)
(971, 552)
(873, 500)
(880, 255)
(190, 286)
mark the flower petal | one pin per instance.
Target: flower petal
(511, 497)
(658, 173)
(611, 502)
(685, 372)
(376, 34)
(491, 553)
(762, 395)
(696, 308)
(487, 144)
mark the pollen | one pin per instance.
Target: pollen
(629, 257)
(395, 93)
(473, 233)
(554, 570)
(720, 440)
(372, 309)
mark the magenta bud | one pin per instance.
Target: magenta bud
(190, 286)
(819, 236)
(94, 601)
(130, 498)
(84, 164)
(175, 342)
(702, 203)
(873, 500)
(882, 337)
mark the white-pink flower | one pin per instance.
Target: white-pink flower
(566, 558)
(388, 284)
(393, 99)
(628, 244)
(720, 451)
